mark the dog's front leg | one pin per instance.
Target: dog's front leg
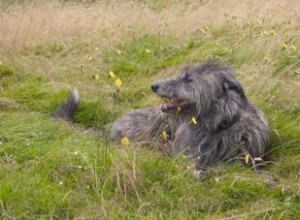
(184, 141)
(136, 125)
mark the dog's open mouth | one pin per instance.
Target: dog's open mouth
(176, 104)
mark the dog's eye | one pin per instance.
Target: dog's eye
(187, 78)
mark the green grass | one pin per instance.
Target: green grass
(51, 169)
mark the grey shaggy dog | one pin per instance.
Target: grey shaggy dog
(208, 117)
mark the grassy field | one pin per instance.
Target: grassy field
(51, 169)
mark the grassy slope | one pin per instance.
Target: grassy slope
(51, 169)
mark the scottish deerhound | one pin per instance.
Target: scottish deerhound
(208, 117)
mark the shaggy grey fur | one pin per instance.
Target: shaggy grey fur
(225, 123)
(209, 117)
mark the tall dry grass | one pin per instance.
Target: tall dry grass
(112, 23)
(42, 21)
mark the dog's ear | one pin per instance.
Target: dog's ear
(233, 85)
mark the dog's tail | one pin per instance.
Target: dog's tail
(67, 108)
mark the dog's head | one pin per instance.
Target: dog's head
(199, 87)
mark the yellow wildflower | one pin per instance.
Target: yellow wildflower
(247, 158)
(90, 58)
(112, 75)
(194, 121)
(165, 135)
(148, 51)
(119, 52)
(96, 48)
(118, 83)
(125, 141)
(284, 45)
(294, 48)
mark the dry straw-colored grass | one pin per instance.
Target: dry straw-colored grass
(43, 21)
(112, 23)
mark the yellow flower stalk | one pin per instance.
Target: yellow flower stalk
(112, 75)
(96, 77)
(284, 45)
(165, 135)
(247, 158)
(194, 121)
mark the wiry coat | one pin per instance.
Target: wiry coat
(209, 118)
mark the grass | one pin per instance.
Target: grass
(54, 170)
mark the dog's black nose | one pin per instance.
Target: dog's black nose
(154, 87)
